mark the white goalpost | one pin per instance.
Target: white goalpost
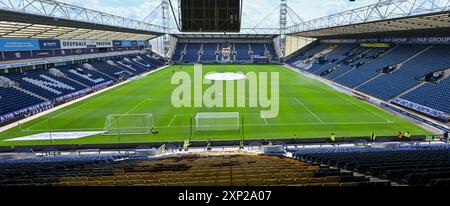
(128, 124)
(217, 121)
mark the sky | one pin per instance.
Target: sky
(253, 10)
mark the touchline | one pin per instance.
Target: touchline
(189, 92)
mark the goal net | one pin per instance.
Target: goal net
(220, 121)
(128, 124)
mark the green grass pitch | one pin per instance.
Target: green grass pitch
(307, 109)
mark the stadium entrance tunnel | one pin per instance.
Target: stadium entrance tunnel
(228, 76)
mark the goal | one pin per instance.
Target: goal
(219, 121)
(128, 124)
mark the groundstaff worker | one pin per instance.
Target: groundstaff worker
(241, 145)
(186, 145)
(332, 138)
(373, 137)
(408, 135)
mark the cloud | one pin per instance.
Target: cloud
(135, 9)
(253, 10)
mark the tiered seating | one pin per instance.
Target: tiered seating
(209, 52)
(413, 165)
(242, 52)
(85, 76)
(390, 85)
(192, 50)
(332, 58)
(259, 53)
(135, 68)
(62, 83)
(258, 49)
(222, 169)
(44, 84)
(432, 95)
(177, 55)
(308, 53)
(370, 70)
(362, 56)
(355, 68)
(154, 62)
(12, 100)
(272, 52)
(111, 70)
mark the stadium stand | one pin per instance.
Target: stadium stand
(242, 52)
(272, 52)
(412, 165)
(434, 95)
(44, 84)
(308, 52)
(355, 61)
(13, 100)
(329, 60)
(198, 169)
(154, 62)
(395, 74)
(179, 52)
(209, 52)
(192, 52)
(111, 70)
(41, 89)
(83, 75)
(395, 56)
(259, 52)
(388, 86)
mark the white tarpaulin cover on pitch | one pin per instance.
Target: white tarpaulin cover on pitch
(225, 76)
(55, 136)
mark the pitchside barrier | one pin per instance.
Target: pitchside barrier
(214, 143)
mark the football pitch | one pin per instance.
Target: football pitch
(307, 109)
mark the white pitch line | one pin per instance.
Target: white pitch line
(300, 124)
(367, 109)
(174, 116)
(64, 112)
(280, 124)
(264, 119)
(138, 105)
(321, 121)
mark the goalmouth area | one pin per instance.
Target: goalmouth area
(308, 109)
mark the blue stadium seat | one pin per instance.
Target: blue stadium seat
(433, 95)
(209, 52)
(370, 70)
(388, 86)
(12, 100)
(413, 165)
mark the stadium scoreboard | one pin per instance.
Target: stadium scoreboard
(210, 15)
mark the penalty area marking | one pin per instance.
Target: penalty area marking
(170, 123)
(138, 105)
(301, 103)
(175, 116)
(43, 121)
(299, 124)
(264, 118)
(62, 106)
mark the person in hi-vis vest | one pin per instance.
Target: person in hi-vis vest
(373, 137)
(333, 138)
